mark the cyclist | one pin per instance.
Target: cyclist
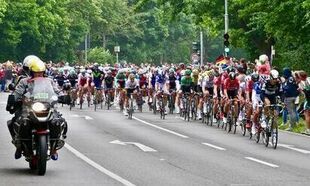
(271, 88)
(120, 81)
(97, 79)
(82, 84)
(108, 85)
(231, 91)
(207, 89)
(186, 87)
(132, 86)
(171, 86)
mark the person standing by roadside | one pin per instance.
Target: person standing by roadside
(290, 90)
(8, 74)
(304, 85)
(2, 80)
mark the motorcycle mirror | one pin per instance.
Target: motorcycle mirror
(11, 87)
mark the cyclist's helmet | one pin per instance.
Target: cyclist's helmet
(195, 72)
(232, 75)
(274, 74)
(255, 77)
(188, 72)
(230, 69)
(241, 69)
(131, 77)
(66, 86)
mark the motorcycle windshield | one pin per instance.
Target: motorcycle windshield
(43, 91)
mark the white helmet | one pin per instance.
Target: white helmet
(274, 74)
(263, 58)
(27, 60)
(89, 71)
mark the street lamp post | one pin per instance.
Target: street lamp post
(226, 16)
(201, 48)
(117, 49)
(85, 48)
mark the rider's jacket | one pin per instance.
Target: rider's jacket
(25, 85)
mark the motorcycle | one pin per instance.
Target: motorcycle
(39, 130)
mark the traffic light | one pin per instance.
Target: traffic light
(226, 43)
(195, 46)
(226, 40)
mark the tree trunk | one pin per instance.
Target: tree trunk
(104, 41)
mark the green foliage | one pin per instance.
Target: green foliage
(155, 31)
(100, 55)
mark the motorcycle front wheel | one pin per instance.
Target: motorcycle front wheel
(42, 154)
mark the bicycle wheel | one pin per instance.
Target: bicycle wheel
(163, 109)
(243, 127)
(274, 134)
(81, 103)
(154, 105)
(130, 109)
(108, 101)
(229, 126)
(188, 110)
(265, 138)
(211, 114)
(257, 136)
(95, 100)
(234, 123)
(194, 109)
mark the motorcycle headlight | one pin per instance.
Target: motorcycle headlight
(38, 107)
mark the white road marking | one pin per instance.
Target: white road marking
(98, 167)
(262, 162)
(214, 146)
(88, 118)
(160, 128)
(139, 145)
(75, 115)
(294, 148)
(117, 142)
(143, 147)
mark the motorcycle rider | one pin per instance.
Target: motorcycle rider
(37, 69)
(23, 73)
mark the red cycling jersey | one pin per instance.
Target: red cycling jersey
(217, 81)
(142, 81)
(249, 86)
(231, 84)
(83, 81)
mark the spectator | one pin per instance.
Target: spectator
(290, 90)
(304, 85)
(8, 74)
(2, 80)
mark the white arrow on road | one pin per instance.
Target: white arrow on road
(78, 116)
(294, 148)
(88, 118)
(139, 145)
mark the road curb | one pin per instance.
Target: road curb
(294, 133)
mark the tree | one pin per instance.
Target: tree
(100, 55)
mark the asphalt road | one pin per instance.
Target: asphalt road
(106, 148)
